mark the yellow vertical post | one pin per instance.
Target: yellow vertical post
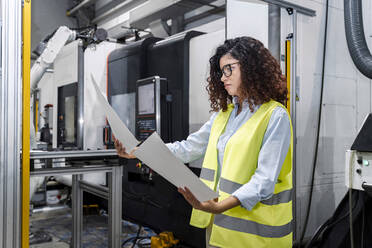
(288, 72)
(26, 64)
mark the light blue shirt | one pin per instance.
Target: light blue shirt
(273, 151)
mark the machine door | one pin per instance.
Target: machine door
(67, 116)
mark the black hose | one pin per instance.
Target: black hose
(363, 226)
(137, 236)
(331, 222)
(356, 41)
(318, 128)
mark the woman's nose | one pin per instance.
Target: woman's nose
(223, 77)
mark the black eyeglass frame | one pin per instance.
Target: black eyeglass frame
(227, 69)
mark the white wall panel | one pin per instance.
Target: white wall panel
(338, 131)
(247, 18)
(337, 4)
(95, 58)
(363, 98)
(201, 49)
(338, 60)
(339, 90)
(347, 97)
(367, 20)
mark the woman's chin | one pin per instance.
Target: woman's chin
(231, 93)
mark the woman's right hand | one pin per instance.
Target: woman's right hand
(120, 149)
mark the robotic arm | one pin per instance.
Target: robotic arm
(62, 36)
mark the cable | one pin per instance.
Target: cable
(318, 128)
(137, 236)
(330, 223)
(132, 238)
(141, 245)
(351, 220)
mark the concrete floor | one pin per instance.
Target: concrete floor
(58, 224)
(54, 243)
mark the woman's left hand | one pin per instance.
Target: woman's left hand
(211, 206)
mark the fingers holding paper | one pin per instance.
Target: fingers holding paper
(210, 206)
(120, 149)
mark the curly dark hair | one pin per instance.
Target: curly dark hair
(262, 79)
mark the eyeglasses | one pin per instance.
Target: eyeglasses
(227, 69)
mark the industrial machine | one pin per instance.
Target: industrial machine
(351, 222)
(148, 86)
(124, 67)
(358, 170)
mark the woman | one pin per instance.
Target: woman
(247, 145)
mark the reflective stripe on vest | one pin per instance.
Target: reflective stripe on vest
(230, 187)
(252, 227)
(207, 174)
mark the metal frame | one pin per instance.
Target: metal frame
(293, 111)
(157, 104)
(113, 193)
(115, 206)
(72, 154)
(26, 68)
(77, 211)
(297, 8)
(80, 98)
(10, 120)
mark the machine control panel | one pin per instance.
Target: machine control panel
(358, 171)
(150, 106)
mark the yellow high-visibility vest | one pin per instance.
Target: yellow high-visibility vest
(269, 223)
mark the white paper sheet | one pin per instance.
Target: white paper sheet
(119, 129)
(155, 154)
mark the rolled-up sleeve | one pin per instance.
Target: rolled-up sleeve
(195, 145)
(273, 151)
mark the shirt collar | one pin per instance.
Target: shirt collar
(235, 101)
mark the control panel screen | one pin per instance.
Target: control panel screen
(146, 103)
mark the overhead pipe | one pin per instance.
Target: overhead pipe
(111, 11)
(79, 6)
(355, 38)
